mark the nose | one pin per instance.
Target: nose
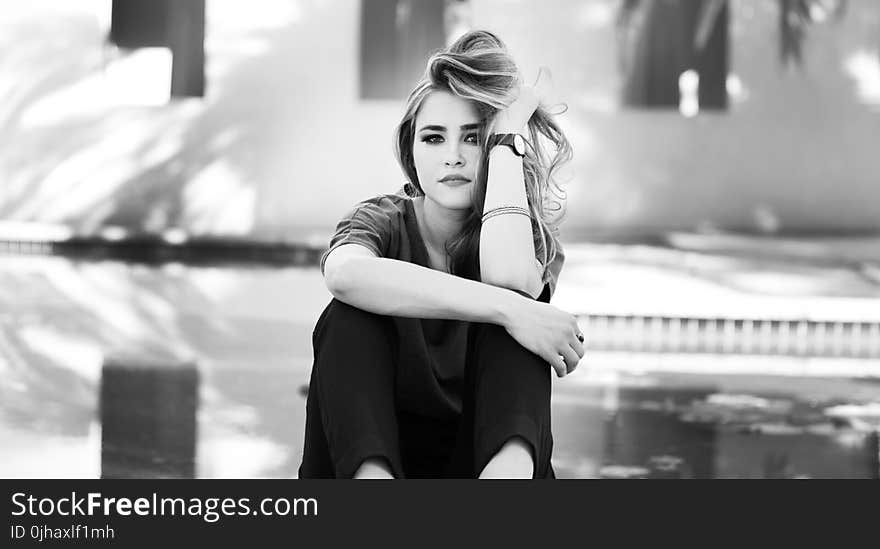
(454, 156)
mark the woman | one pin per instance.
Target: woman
(432, 358)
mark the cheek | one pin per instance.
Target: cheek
(421, 159)
(473, 156)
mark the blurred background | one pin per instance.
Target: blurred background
(171, 171)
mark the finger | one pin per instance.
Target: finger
(561, 367)
(578, 337)
(571, 359)
(543, 77)
(538, 76)
(580, 357)
(578, 347)
(543, 83)
(558, 364)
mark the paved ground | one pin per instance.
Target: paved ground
(202, 369)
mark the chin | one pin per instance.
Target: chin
(453, 198)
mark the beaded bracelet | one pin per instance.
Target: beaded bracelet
(502, 210)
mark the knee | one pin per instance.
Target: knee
(346, 338)
(340, 318)
(492, 340)
(496, 355)
(492, 334)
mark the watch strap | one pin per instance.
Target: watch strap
(504, 139)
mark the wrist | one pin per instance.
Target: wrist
(502, 305)
(503, 151)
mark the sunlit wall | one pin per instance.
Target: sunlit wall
(282, 144)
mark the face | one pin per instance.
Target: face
(446, 149)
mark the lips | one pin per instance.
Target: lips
(455, 180)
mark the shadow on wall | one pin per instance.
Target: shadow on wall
(260, 155)
(80, 159)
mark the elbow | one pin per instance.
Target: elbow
(513, 271)
(509, 281)
(525, 280)
(337, 278)
(335, 286)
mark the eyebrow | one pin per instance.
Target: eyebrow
(443, 128)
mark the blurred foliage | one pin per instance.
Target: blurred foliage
(795, 16)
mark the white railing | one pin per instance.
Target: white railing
(802, 338)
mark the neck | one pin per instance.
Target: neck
(439, 225)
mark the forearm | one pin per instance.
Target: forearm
(507, 249)
(398, 288)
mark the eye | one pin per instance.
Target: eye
(472, 138)
(433, 139)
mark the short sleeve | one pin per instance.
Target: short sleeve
(551, 273)
(367, 224)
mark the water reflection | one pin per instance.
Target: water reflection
(647, 431)
(148, 417)
(659, 429)
(74, 334)
(94, 385)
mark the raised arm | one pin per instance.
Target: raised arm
(355, 275)
(507, 249)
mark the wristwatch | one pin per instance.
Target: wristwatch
(515, 141)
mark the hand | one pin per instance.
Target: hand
(528, 98)
(546, 331)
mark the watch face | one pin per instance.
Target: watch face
(519, 143)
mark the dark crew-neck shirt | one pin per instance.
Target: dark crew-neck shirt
(431, 352)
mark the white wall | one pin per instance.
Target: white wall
(282, 146)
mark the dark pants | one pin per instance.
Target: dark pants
(351, 413)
